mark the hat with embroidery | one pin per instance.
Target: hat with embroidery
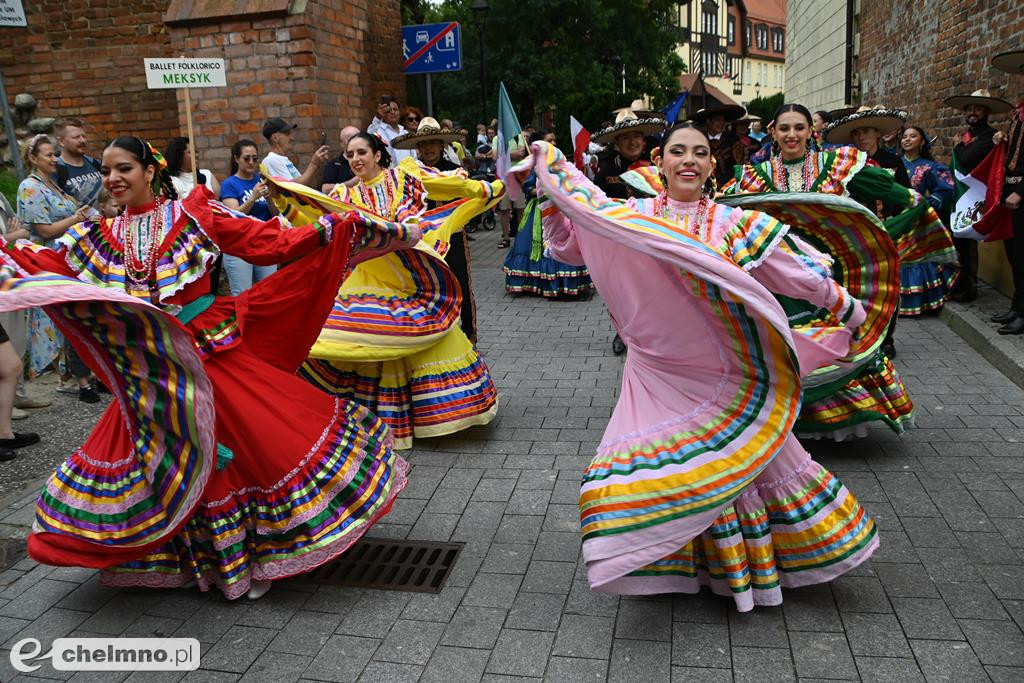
(627, 121)
(428, 129)
(881, 118)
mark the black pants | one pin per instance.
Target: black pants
(1015, 255)
(457, 259)
(967, 254)
(75, 365)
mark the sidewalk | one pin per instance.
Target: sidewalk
(942, 600)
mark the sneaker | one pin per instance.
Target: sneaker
(20, 440)
(18, 414)
(88, 395)
(69, 386)
(31, 403)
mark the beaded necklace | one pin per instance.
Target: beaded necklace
(783, 178)
(371, 199)
(141, 235)
(696, 221)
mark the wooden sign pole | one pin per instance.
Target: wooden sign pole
(191, 135)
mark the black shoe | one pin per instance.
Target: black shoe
(1002, 318)
(7, 454)
(20, 440)
(469, 238)
(889, 349)
(965, 297)
(100, 388)
(88, 395)
(618, 346)
(1015, 326)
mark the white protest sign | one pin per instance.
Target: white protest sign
(12, 13)
(184, 72)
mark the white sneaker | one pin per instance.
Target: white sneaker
(68, 387)
(18, 414)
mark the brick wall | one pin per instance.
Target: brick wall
(319, 63)
(82, 58)
(321, 69)
(916, 53)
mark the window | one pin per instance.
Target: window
(762, 37)
(777, 40)
(731, 31)
(747, 72)
(746, 33)
(735, 69)
(710, 63)
(709, 23)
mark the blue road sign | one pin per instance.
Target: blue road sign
(432, 48)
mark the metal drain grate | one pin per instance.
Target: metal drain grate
(384, 564)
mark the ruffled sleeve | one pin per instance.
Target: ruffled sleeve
(871, 183)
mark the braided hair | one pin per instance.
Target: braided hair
(147, 155)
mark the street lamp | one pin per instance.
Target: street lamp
(480, 7)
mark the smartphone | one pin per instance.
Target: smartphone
(323, 138)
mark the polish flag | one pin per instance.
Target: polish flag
(580, 143)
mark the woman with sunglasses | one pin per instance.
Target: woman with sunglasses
(244, 191)
(216, 465)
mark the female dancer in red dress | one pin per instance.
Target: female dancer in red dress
(215, 464)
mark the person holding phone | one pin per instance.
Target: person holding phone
(387, 125)
(278, 133)
(246, 192)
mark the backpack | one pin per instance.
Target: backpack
(62, 171)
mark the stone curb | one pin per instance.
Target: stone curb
(1002, 352)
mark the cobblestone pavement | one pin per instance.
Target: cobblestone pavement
(943, 599)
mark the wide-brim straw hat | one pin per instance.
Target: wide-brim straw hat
(1011, 62)
(626, 121)
(982, 98)
(429, 129)
(731, 112)
(747, 118)
(638, 108)
(885, 120)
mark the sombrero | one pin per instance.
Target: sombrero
(981, 98)
(885, 120)
(1011, 62)
(638, 108)
(844, 110)
(627, 121)
(747, 118)
(429, 129)
(731, 112)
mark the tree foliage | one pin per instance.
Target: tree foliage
(765, 107)
(557, 58)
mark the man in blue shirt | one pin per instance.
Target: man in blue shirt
(77, 173)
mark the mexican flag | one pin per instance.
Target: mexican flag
(977, 212)
(580, 143)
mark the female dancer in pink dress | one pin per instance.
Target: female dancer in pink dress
(699, 480)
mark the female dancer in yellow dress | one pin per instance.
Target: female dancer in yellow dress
(393, 342)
